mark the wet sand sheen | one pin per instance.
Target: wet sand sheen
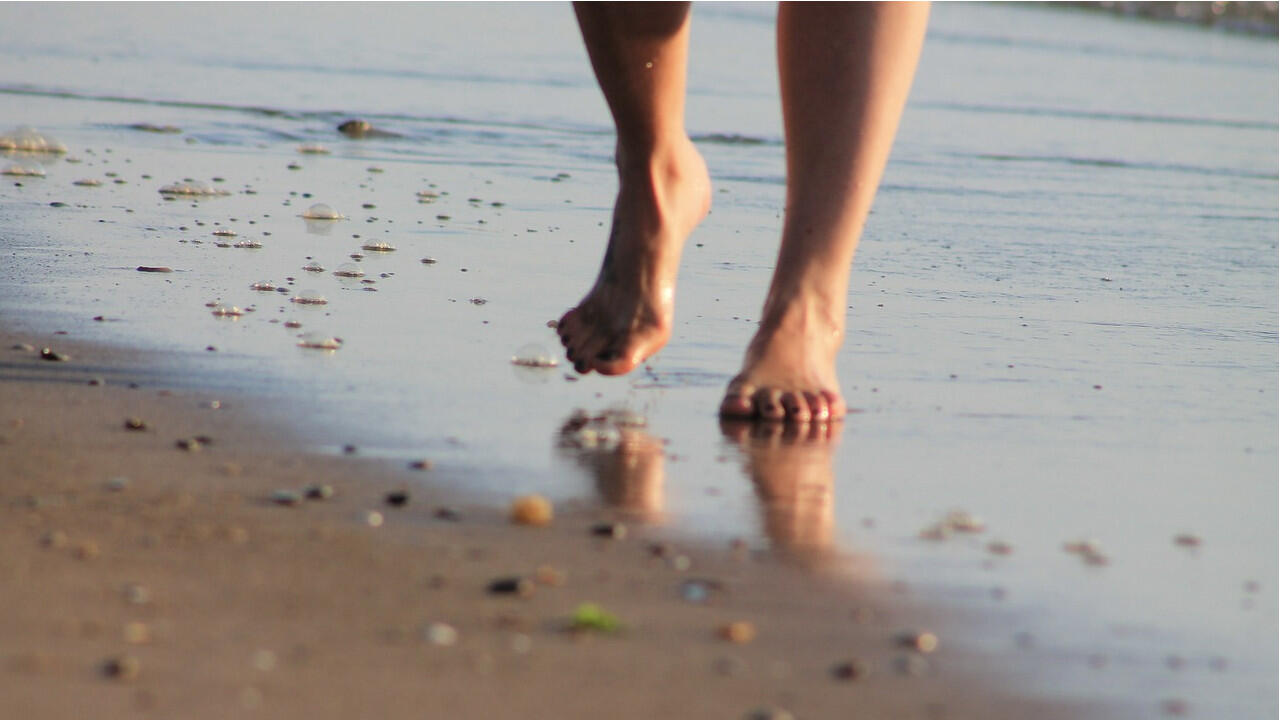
(185, 578)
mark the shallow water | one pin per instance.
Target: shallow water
(1074, 200)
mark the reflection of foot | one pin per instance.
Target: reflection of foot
(790, 466)
(627, 315)
(623, 459)
(789, 372)
(629, 477)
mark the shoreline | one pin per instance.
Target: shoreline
(310, 611)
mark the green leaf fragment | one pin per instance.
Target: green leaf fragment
(590, 616)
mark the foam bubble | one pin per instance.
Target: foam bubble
(196, 188)
(349, 270)
(378, 246)
(319, 341)
(309, 297)
(23, 169)
(313, 266)
(534, 355)
(313, 149)
(28, 139)
(320, 211)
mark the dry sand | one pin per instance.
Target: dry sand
(309, 611)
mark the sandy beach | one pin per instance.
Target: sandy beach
(1060, 460)
(147, 580)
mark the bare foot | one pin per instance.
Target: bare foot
(789, 372)
(627, 315)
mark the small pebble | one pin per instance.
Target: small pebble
(288, 498)
(613, 531)
(123, 667)
(154, 269)
(136, 594)
(264, 660)
(441, 634)
(421, 465)
(54, 540)
(373, 518)
(698, 591)
(924, 642)
(739, 632)
(850, 670)
(136, 633)
(532, 510)
(189, 444)
(447, 513)
(522, 587)
(549, 576)
(397, 498)
(1186, 540)
(86, 550)
(133, 423)
(53, 355)
(521, 644)
(318, 491)
(116, 484)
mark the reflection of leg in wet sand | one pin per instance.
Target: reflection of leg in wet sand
(845, 70)
(624, 461)
(790, 467)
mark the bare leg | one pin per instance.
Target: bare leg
(639, 52)
(845, 70)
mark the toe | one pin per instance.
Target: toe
(768, 404)
(819, 410)
(796, 407)
(737, 401)
(589, 351)
(835, 403)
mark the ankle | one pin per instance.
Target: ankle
(806, 312)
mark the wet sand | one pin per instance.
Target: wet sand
(121, 547)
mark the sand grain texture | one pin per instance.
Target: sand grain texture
(308, 612)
